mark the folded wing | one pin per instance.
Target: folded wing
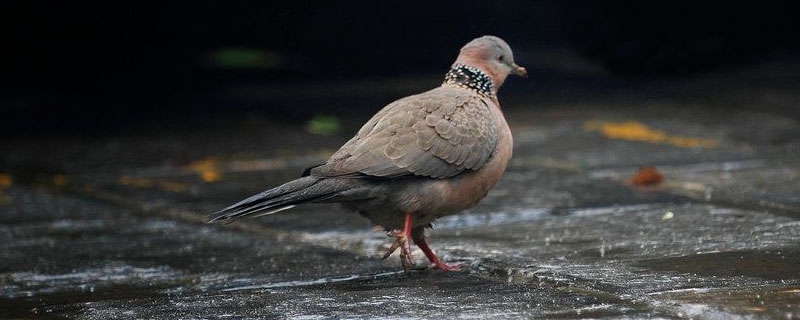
(437, 134)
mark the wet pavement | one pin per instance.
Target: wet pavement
(114, 226)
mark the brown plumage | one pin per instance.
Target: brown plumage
(436, 134)
(419, 158)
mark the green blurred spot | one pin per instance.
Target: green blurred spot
(235, 58)
(324, 125)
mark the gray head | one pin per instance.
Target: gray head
(492, 55)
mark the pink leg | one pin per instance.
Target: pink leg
(402, 241)
(419, 239)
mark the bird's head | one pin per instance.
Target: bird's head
(492, 55)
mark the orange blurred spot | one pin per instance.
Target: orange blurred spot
(636, 131)
(647, 176)
(210, 175)
(6, 180)
(60, 180)
(207, 169)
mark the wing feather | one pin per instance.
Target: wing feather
(438, 134)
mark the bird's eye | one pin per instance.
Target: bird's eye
(500, 58)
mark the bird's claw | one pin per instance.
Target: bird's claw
(402, 242)
(456, 266)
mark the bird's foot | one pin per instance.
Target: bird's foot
(402, 240)
(455, 266)
(436, 263)
(403, 243)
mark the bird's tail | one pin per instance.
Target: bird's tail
(285, 196)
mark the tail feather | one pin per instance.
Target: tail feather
(305, 189)
(272, 211)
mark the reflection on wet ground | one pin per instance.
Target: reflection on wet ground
(770, 264)
(114, 227)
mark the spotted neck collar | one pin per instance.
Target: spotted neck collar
(471, 78)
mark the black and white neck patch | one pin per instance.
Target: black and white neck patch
(469, 77)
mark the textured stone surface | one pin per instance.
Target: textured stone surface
(114, 227)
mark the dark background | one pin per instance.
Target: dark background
(93, 67)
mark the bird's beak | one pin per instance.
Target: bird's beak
(520, 71)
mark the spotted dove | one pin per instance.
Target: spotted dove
(419, 158)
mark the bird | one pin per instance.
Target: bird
(419, 158)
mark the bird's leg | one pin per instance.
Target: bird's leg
(419, 238)
(401, 241)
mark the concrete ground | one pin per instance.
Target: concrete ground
(114, 226)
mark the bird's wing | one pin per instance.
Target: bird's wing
(436, 134)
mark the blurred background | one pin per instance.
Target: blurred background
(98, 67)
